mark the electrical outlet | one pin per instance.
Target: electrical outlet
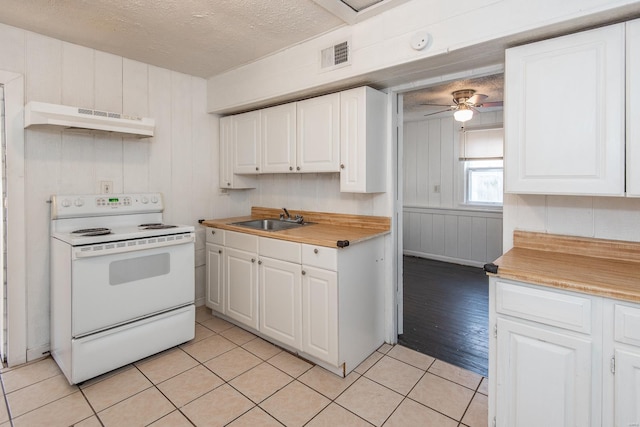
(436, 188)
(106, 187)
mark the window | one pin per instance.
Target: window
(481, 154)
(483, 182)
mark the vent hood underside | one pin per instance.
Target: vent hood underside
(62, 117)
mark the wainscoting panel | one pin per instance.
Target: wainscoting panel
(468, 237)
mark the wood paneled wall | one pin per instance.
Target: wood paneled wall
(458, 236)
(436, 224)
(180, 160)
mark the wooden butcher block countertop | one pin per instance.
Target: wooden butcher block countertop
(608, 268)
(327, 231)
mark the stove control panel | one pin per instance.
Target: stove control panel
(70, 206)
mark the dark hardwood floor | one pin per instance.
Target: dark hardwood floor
(446, 312)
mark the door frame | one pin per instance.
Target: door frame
(16, 297)
(397, 121)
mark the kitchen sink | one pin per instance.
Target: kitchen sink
(270, 224)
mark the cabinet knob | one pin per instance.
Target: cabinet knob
(315, 251)
(253, 260)
(257, 168)
(298, 168)
(259, 262)
(213, 231)
(290, 168)
(219, 251)
(228, 184)
(342, 166)
(304, 272)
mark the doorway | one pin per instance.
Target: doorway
(445, 235)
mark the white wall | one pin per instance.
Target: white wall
(436, 224)
(180, 161)
(614, 218)
(381, 46)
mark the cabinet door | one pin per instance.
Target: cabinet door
(226, 175)
(215, 283)
(279, 138)
(543, 377)
(633, 108)
(247, 147)
(627, 388)
(240, 278)
(564, 115)
(320, 314)
(362, 137)
(280, 302)
(318, 134)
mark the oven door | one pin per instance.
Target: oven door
(114, 287)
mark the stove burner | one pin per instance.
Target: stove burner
(156, 226)
(92, 232)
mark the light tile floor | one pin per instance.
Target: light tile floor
(227, 376)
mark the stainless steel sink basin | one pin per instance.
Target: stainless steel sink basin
(270, 224)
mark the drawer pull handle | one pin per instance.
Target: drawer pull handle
(315, 251)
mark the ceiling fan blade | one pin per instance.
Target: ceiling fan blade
(441, 105)
(491, 104)
(477, 98)
(438, 112)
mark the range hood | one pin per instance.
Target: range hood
(62, 117)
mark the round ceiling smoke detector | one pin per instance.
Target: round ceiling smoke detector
(420, 40)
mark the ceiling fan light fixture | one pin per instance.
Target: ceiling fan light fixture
(463, 113)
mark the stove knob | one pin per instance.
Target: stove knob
(145, 200)
(78, 202)
(66, 203)
(154, 199)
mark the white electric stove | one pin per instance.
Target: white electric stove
(122, 281)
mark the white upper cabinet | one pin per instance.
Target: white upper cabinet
(318, 132)
(633, 108)
(565, 115)
(362, 141)
(227, 177)
(279, 139)
(247, 143)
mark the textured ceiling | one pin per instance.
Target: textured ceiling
(492, 86)
(197, 37)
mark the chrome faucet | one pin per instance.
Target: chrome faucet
(287, 217)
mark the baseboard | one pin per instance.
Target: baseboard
(38, 352)
(453, 260)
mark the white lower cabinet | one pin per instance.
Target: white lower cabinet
(215, 279)
(627, 387)
(280, 293)
(240, 286)
(544, 376)
(327, 304)
(560, 358)
(320, 318)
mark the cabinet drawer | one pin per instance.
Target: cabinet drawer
(627, 324)
(320, 256)
(548, 307)
(280, 249)
(242, 241)
(215, 235)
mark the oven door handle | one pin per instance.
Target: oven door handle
(105, 250)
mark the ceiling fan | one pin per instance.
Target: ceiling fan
(465, 102)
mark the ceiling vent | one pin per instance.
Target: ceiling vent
(336, 56)
(62, 117)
